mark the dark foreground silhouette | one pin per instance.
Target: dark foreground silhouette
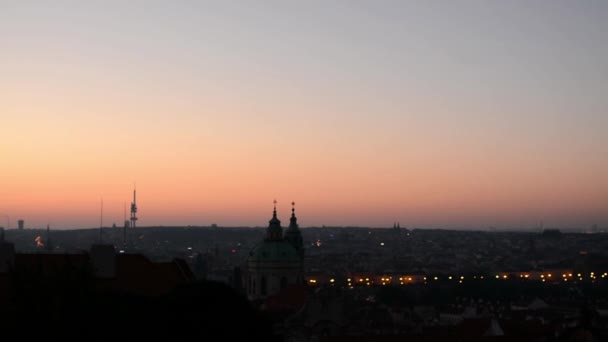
(71, 309)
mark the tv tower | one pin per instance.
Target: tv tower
(134, 209)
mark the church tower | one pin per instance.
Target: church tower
(274, 264)
(274, 232)
(293, 235)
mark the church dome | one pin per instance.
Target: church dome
(274, 251)
(274, 263)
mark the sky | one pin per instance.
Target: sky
(435, 114)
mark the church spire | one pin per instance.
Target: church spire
(274, 231)
(293, 234)
(293, 221)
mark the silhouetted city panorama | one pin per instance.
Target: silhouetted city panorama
(304, 284)
(441, 170)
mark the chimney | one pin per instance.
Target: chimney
(7, 254)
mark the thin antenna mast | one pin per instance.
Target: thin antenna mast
(124, 228)
(101, 221)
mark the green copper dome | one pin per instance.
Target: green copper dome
(274, 251)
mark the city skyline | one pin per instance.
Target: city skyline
(452, 115)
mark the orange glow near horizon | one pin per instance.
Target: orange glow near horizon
(232, 190)
(203, 171)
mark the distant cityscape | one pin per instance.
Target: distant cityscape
(352, 249)
(491, 283)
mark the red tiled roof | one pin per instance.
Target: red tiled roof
(135, 274)
(290, 298)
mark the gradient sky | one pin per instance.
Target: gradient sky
(436, 114)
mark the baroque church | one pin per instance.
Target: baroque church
(276, 262)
